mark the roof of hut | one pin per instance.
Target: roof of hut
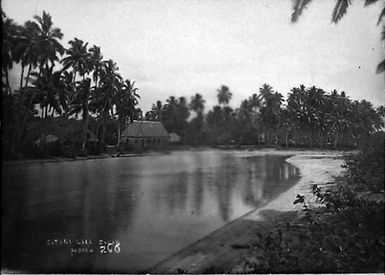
(145, 129)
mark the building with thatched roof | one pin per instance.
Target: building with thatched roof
(144, 135)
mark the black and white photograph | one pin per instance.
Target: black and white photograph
(193, 136)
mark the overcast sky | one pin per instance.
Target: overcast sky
(185, 47)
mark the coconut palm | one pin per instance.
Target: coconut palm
(197, 103)
(96, 63)
(51, 92)
(9, 33)
(108, 89)
(47, 40)
(78, 58)
(125, 101)
(80, 104)
(155, 112)
(224, 95)
(265, 91)
(271, 112)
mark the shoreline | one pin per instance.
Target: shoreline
(223, 250)
(258, 151)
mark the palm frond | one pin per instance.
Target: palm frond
(369, 2)
(382, 14)
(381, 67)
(340, 10)
(298, 7)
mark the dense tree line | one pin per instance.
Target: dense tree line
(58, 84)
(310, 117)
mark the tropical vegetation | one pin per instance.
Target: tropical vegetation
(310, 117)
(58, 84)
(77, 98)
(345, 234)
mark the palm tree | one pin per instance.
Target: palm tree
(224, 95)
(265, 91)
(51, 92)
(9, 32)
(96, 63)
(80, 104)
(155, 112)
(271, 112)
(77, 58)
(125, 101)
(197, 103)
(47, 40)
(109, 85)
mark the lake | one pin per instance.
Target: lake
(126, 214)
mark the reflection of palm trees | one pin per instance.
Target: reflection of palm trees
(198, 191)
(224, 183)
(267, 177)
(253, 191)
(176, 192)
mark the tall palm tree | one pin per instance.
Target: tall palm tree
(9, 32)
(29, 47)
(51, 92)
(48, 40)
(78, 58)
(96, 63)
(224, 95)
(271, 112)
(125, 102)
(107, 91)
(265, 91)
(197, 103)
(80, 104)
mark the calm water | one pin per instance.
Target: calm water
(146, 207)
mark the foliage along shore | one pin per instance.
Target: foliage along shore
(343, 234)
(80, 98)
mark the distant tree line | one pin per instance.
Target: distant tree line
(310, 117)
(58, 84)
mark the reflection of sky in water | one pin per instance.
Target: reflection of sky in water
(154, 205)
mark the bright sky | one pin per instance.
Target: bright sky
(180, 48)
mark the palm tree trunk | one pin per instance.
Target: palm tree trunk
(336, 140)
(28, 74)
(104, 127)
(8, 87)
(85, 126)
(118, 143)
(22, 76)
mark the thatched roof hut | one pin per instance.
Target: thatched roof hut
(145, 129)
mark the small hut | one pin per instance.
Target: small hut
(144, 135)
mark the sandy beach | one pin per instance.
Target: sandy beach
(224, 249)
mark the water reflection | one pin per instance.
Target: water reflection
(152, 205)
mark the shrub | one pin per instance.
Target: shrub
(346, 234)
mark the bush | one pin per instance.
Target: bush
(346, 235)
